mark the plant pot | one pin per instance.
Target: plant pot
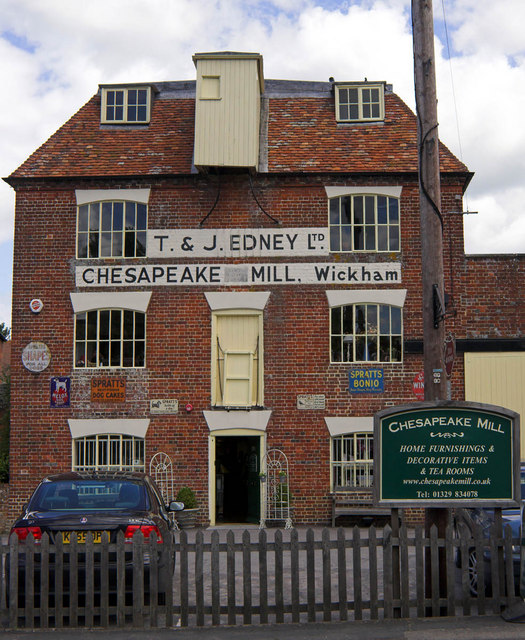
(187, 518)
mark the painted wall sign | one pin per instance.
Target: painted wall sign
(237, 243)
(203, 275)
(36, 356)
(445, 454)
(108, 389)
(164, 406)
(311, 401)
(365, 380)
(60, 392)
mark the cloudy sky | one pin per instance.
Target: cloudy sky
(54, 54)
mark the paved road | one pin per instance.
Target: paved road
(478, 628)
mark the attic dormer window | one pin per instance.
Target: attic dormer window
(362, 102)
(126, 105)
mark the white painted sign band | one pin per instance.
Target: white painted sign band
(237, 243)
(238, 274)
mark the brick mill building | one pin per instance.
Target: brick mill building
(221, 268)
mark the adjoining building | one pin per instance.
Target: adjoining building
(221, 268)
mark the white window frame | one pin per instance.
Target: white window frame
(81, 355)
(360, 470)
(362, 103)
(98, 234)
(108, 452)
(384, 231)
(125, 104)
(351, 339)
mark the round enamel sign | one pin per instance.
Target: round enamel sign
(36, 356)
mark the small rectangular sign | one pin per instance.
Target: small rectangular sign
(311, 401)
(445, 454)
(365, 380)
(60, 392)
(166, 405)
(108, 389)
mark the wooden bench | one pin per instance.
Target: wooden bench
(355, 503)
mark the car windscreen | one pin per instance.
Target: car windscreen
(89, 495)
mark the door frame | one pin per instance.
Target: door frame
(212, 440)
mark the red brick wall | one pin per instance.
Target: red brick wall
(296, 330)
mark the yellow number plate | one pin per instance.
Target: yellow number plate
(81, 536)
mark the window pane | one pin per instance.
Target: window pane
(393, 210)
(140, 328)
(346, 238)
(371, 319)
(105, 244)
(334, 210)
(348, 348)
(360, 349)
(104, 325)
(382, 238)
(117, 244)
(82, 245)
(140, 351)
(335, 240)
(129, 246)
(116, 320)
(359, 238)
(381, 210)
(396, 320)
(92, 325)
(106, 216)
(371, 352)
(360, 318)
(358, 210)
(130, 215)
(370, 238)
(91, 354)
(128, 325)
(93, 245)
(394, 238)
(396, 349)
(127, 353)
(94, 217)
(141, 217)
(335, 315)
(103, 354)
(83, 215)
(140, 250)
(118, 215)
(384, 314)
(115, 355)
(384, 348)
(348, 317)
(346, 210)
(370, 210)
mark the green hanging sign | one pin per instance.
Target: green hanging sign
(444, 454)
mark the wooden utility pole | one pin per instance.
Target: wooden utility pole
(431, 225)
(430, 199)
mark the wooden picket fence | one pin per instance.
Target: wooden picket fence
(258, 577)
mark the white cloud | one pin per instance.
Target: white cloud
(56, 52)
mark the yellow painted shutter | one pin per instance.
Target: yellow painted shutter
(238, 360)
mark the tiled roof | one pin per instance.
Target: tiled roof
(303, 136)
